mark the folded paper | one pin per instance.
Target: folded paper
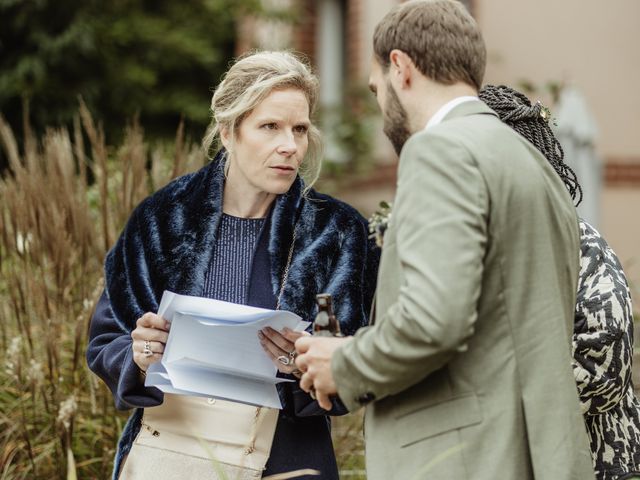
(213, 350)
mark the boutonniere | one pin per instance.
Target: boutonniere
(379, 221)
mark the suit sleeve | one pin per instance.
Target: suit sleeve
(440, 213)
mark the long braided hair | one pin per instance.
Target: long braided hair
(532, 122)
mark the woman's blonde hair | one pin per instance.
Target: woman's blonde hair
(247, 83)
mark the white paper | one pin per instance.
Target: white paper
(213, 350)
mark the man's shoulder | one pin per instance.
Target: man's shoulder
(482, 139)
(466, 130)
(477, 128)
(454, 141)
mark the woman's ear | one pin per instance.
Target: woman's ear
(225, 137)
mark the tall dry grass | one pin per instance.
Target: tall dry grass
(63, 201)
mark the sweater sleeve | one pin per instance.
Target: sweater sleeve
(305, 406)
(110, 356)
(603, 330)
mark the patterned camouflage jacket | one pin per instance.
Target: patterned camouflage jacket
(603, 353)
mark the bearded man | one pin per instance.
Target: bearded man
(466, 370)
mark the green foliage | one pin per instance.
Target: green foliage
(348, 442)
(159, 59)
(351, 126)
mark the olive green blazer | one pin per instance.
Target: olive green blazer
(466, 372)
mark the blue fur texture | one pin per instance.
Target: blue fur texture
(168, 242)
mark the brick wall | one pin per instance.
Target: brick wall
(354, 41)
(622, 171)
(304, 33)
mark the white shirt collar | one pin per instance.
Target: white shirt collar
(446, 108)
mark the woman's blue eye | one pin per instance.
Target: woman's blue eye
(270, 126)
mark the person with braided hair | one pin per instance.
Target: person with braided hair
(603, 327)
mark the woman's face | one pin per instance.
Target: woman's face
(270, 143)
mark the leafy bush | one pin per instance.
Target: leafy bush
(158, 59)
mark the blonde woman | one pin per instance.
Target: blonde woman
(248, 229)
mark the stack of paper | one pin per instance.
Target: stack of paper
(213, 350)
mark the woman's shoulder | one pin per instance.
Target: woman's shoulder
(593, 246)
(332, 209)
(589, 235)
(597, 258)
(176, 191)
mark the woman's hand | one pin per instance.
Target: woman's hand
(149, 339)
(280, 348)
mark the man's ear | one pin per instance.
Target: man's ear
(401, 69)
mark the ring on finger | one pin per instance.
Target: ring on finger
(312, 389)
(284, 360)
(146, 351)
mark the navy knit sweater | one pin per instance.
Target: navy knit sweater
(227, 278)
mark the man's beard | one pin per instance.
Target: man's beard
(396, 120)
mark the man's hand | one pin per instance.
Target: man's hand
(314, 360)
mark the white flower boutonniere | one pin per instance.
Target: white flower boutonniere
(379, 221)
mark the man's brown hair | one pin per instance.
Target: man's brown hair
(440, 36)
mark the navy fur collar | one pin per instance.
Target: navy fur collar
(168, 242)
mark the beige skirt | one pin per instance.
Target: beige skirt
(195, 437)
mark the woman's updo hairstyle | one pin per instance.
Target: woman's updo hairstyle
(532, 122)
(247, 83)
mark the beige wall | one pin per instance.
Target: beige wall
(592, 44)
(621, 226)
(373, 11)
(595, 46)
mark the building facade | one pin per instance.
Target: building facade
(585, 44)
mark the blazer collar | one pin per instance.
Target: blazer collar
(469, 108)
